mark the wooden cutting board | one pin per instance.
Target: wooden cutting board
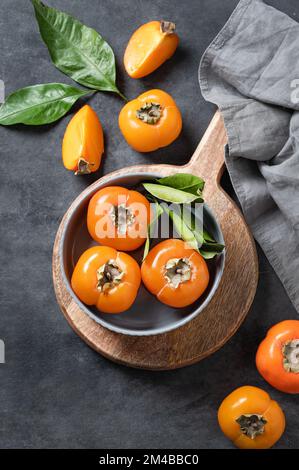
(228, 308)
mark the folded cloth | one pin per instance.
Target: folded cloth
(251, 72)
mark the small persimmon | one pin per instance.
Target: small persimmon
(149, 47)
(175, 273)
(107, 279)
(118, 217)
(150, 121)
(250, 419)
(83, 142)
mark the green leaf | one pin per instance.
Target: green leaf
(208, 237)
(185, 182)
(168, 194)
(151, 225)
(39, 104)
(199, 236)
(78, 51)
(208, 247)
(208, 254)
(182, 228)
(210, 244)
(183, 189)
(191, 223)
(215, 247)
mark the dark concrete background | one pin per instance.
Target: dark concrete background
(54, 390)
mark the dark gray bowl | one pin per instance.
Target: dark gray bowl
(147, 316)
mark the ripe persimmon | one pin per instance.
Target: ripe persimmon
(176, 274)
(118, 217)
(150, 121)
(277, 358)
(250, 419)
(107, 279)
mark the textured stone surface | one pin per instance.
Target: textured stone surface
(54, 390)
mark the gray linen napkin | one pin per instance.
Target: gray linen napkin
(251, 71)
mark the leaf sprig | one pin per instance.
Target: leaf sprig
(39, 104)
(180, 189)
(79, 52)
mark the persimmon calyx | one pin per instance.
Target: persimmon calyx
(122, 217)
(167, 27)
(252, 425)
(84, 167)
(290, 353)
(177, 271)
(108, 276)
(150, 112)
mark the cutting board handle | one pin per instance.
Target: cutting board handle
(208, 158)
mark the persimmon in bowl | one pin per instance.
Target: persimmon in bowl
(147, 315)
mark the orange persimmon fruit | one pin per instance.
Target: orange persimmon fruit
(107, 279)
(150, 121)
(277, 358)
(175, 273)
(251, 419)
(118, 217)
(149, 47)
(83, 142)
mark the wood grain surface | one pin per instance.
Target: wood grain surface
(228, 308)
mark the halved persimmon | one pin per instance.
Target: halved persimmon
(150, 45)
(175, 273)
(83, 142)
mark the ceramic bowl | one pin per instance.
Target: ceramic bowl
(147, 316)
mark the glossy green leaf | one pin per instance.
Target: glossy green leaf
(208, 254)
(199, 236)
(78, 51)
(151, 225)
(185, 182)
(182, 228)
(215, 247)
(39, 104)
(210, 248)
(168, 194)
(206, 244)
(208, 237)
(190, 221)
